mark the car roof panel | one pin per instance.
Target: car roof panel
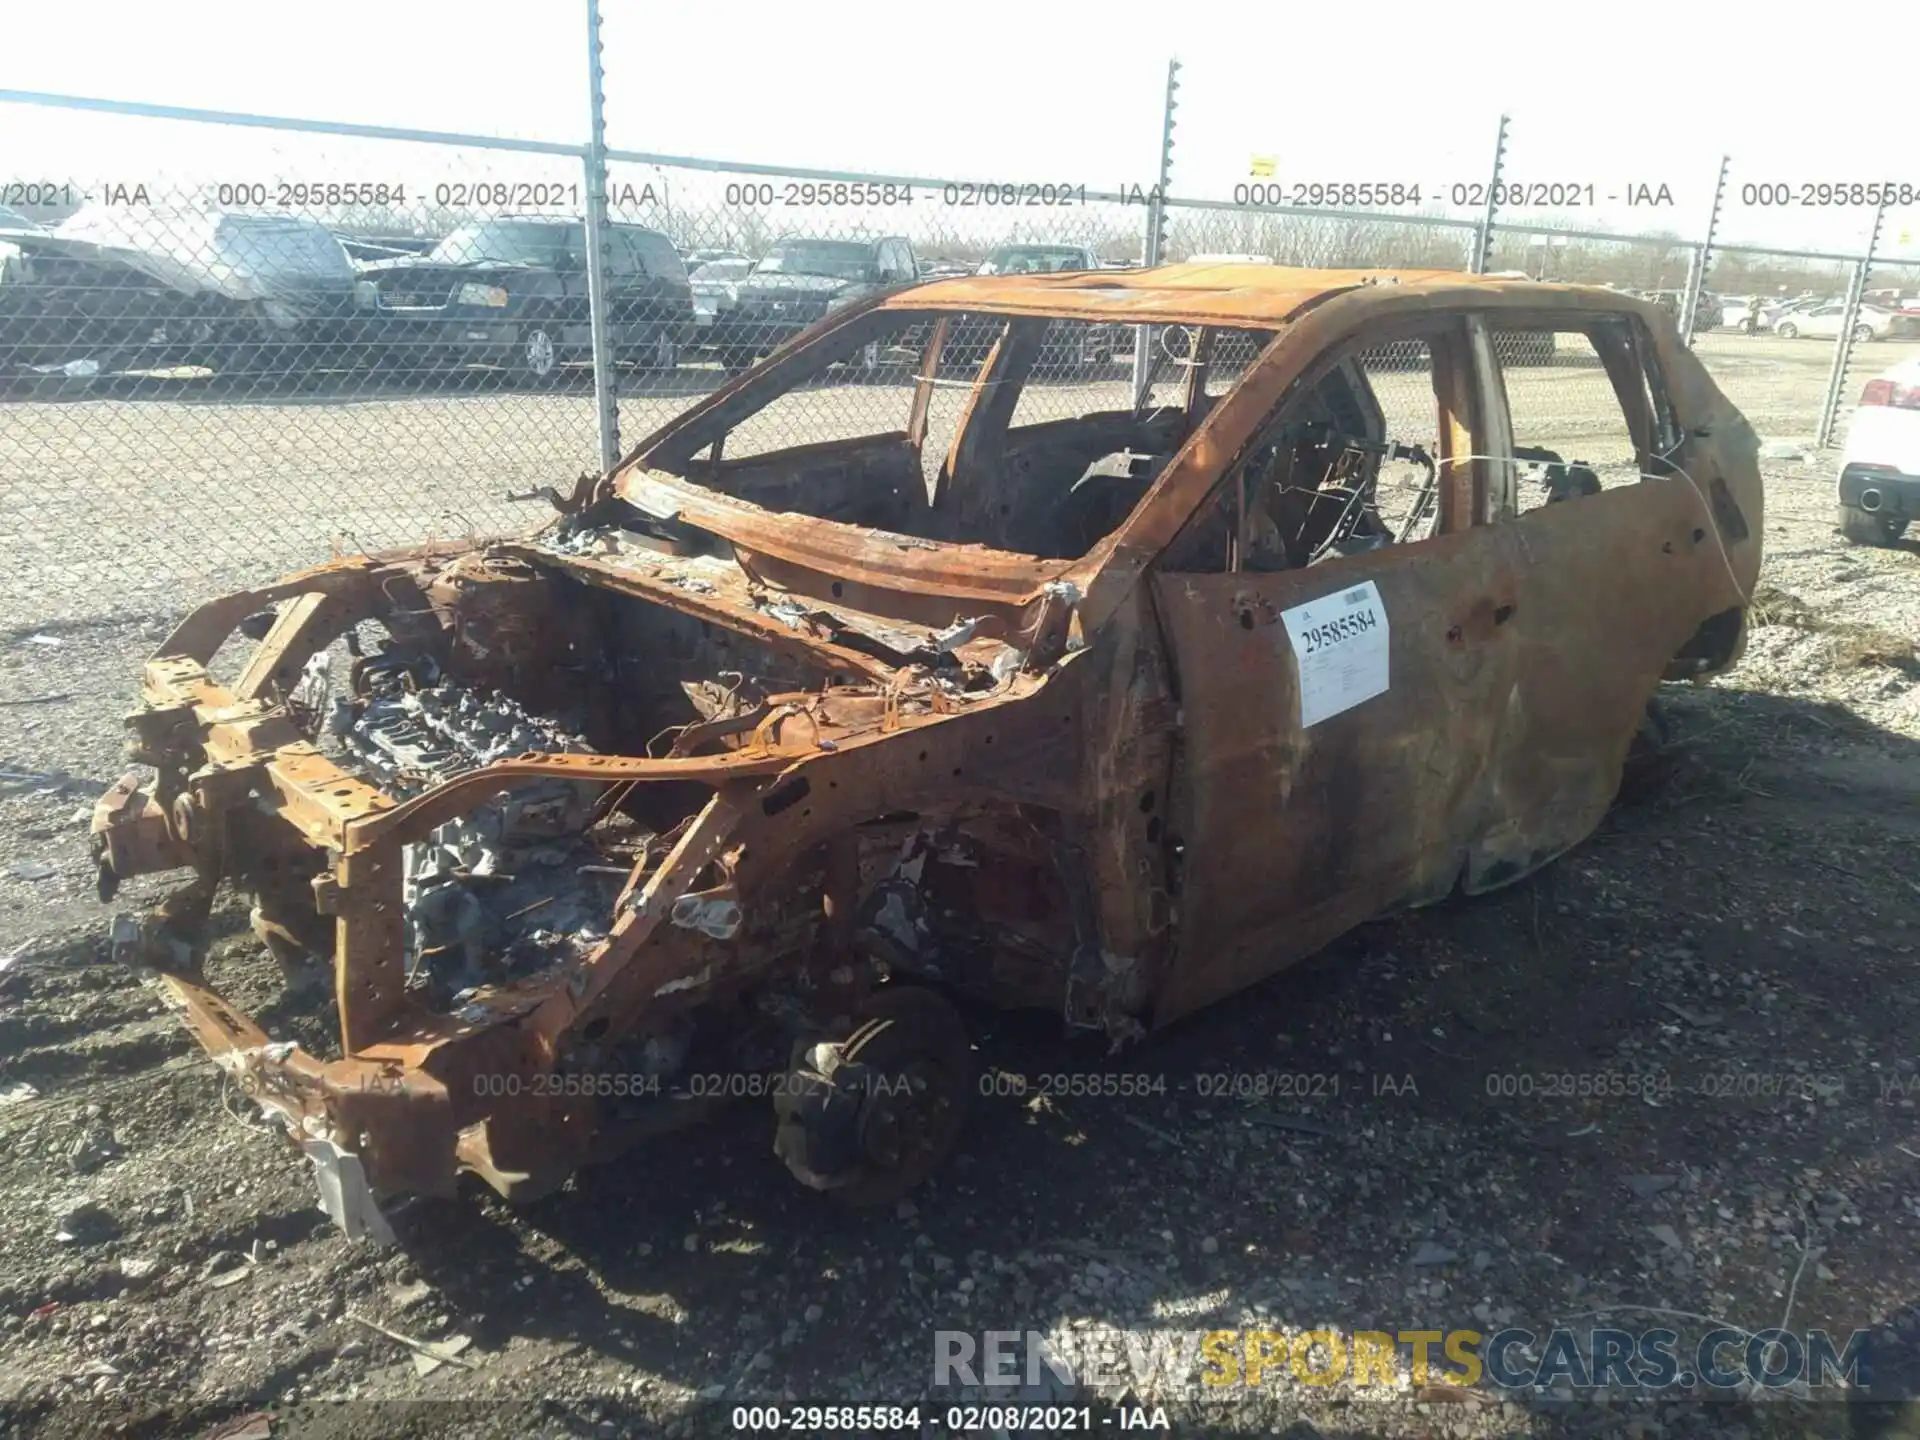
(1240, 295)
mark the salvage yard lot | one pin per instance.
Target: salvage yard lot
(114, 503)
(1744, 923)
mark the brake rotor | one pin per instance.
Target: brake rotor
(869, 1117)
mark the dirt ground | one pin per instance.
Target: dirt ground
(1743, 924)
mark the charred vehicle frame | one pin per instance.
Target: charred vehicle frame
(1113, 715)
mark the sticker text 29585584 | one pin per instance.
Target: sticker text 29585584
(1340, 642)
(1343, 627)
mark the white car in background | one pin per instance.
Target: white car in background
(1774, 311)
(1735, 310)
(715, 284)
(1880, 470)
(1823, 322)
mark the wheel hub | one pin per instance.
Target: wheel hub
(822, 1130)
(896, 1116)
(871, 1115)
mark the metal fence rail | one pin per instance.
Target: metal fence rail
(367, 336)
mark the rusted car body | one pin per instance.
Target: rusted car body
(849, 727)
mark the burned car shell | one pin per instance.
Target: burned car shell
(1089, 346)
(1080, 783)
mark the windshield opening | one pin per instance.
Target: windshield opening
(833, 259)
(512, 242)
(279, 247)
(867, 432)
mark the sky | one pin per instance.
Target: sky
(1609, 97)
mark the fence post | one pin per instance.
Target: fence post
(1483, 237)
(1843, 348)
(606, 400)
(1156, 232)
(1702, 259)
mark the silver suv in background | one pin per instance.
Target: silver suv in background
(118, 289)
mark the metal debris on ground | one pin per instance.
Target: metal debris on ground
(428, 1355)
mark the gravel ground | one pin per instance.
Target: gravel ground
(1744, 924)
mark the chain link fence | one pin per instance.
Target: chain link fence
(214, 377)
(1876, 334)
(766, 255)
(1284, 237)
(324, 342)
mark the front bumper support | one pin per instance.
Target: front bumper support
(419, 1095)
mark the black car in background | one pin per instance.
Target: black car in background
(512, 291)
(118, 289)
(796, 283)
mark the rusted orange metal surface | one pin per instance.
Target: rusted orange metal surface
(1254, 296)
(820, 762)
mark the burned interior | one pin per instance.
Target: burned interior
(1021, 434)
(771, 758)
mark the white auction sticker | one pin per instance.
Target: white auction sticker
(1341, 643)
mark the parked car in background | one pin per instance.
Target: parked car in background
(384, 247)
(715, 283)
(1899, 301)
(1037, 260)
(1705, 316)
(1879, 488)
(113, 288)
(1823, 322)
(798, 282)
(1064, 350)
(512, 291)
(1777, 310)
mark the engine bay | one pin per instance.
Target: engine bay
(522, 882)
(516, 659)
